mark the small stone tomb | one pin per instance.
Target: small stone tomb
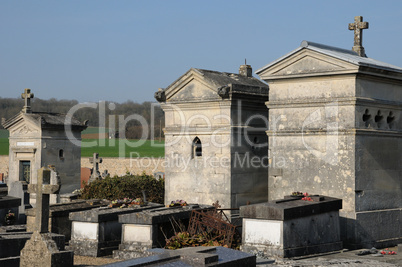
(292, 227)
(59, 221)
(148, 229)
(192, 256)
(97, 232)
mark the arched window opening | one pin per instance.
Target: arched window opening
(61, 153)
(196, 148)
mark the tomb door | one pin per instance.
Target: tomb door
(25, 170)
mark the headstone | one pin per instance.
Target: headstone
(192, 256)
(19, 189)
(97, 232)
(41, 249)
(292, 227)
(54, 179)
(95, 161)
(149, 228)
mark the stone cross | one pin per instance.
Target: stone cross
(95, 160)
(358, 27)
(27, 95)
(42, 189)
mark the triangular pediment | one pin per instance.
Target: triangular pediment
(306, 63)
(24, 127)
(191, 86)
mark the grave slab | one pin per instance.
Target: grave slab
(148, 229)
(192, 256)
(97, 232)
(292, 227)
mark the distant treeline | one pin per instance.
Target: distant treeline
(101, 116)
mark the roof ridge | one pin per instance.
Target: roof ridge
(307, 44)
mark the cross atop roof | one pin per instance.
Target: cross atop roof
(358, 26)
(27, 95)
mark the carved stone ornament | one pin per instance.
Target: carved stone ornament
(223, 91)
(160, 96)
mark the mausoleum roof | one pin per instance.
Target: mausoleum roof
(46, 120)
(224, 78)
(215, 85)
(338, 53)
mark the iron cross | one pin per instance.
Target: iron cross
(27, 95)
(358, 26)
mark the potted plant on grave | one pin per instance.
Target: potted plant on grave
(178, 203)
(297, 194)
(10, 218)
(137, 201)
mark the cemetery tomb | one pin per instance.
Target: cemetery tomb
(97, 232)
(207, 124)
(59, 221)
(292, 227)
(192, 256)
(40, 139)
(149, 228)
(336, 123)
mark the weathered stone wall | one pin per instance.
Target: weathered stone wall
(120, 166)
(115, 166)
(4, 165)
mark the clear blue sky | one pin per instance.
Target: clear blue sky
(125, 50)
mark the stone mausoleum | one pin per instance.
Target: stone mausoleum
(40, 139)
(336, 119)
(215, 125)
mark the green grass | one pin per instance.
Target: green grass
(109, 150)
(3, 146)
(92, 130)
